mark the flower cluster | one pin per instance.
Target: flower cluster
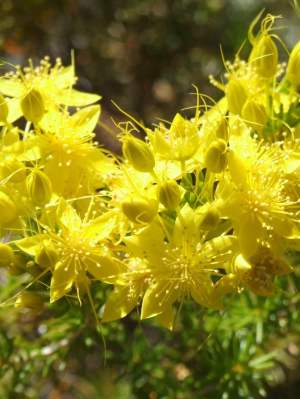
(201, 207)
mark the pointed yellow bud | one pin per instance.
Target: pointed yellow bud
(215, 158)
(140, 210)
(222, 131)
(236, 96)
(8, 210)
(3, 109)
(138, 154)
(17, 265)
(264, 56)
(293, 68)
(39, 187)
(29, 300)
(47, 256)
(32, 106)
(6, 255)
(184, 138)
(255, 115)
(178, 125)
(169, 194)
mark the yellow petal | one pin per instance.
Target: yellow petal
(158, 298)
(65, 77)
(121, 302)
(226, 285)
(202, 292)
(221, 247)
(11, 88)
(161, 145)
(86, 119)
(166, 318)
(62, 280)
(249, 231)
(14, 110)
(31, 245)
(149, 243)
(74, 98)
(283, 226)
(105, 268)
(237, 169)
(100, 228)
(68, 216)
(185, 226)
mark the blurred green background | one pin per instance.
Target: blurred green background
(145, 55)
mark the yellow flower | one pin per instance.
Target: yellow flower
(80, 247)
(178, 143)
(128, 292)
(66, 150)
(264, 55)
(53, 86)
(254, 197)
(179, 267)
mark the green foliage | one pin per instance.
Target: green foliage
(240, 353)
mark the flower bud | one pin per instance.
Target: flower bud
(14, 170)
(6, 255)
(209, 217)
(178, 125)
(138, 154)
(169, 194)
(3, 109)
(215, 158)
(29, 300)
(8, 210)
(17, 266)
(222, 130)
(255, 115)
(236, 96)
(184, 138)
(293, 67)
(11, 136)
(264, 56)
(140, 210)
(39, 187)
(32, 106)
(47, 256)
